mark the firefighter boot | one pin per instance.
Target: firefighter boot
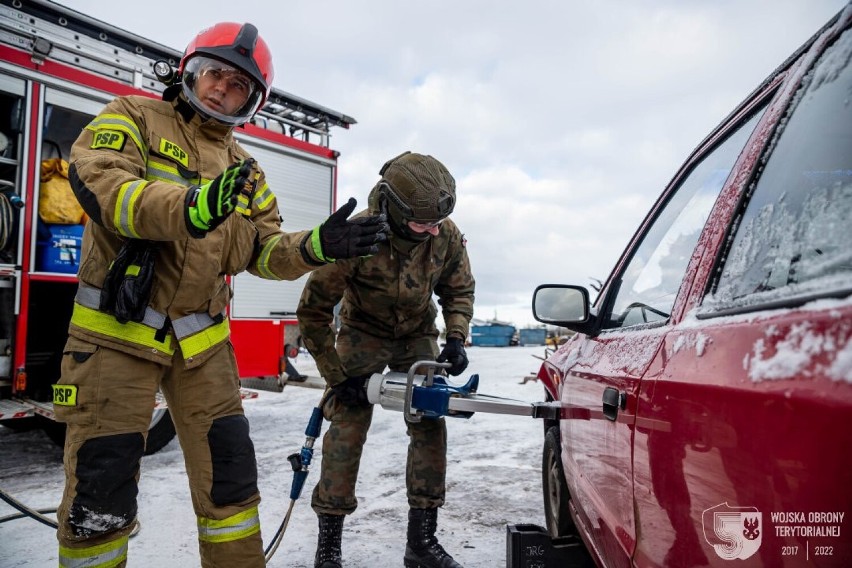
(328, 541)
(422, 549)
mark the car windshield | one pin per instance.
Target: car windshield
(794, 237)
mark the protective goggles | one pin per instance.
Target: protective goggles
(234, 79)
(424, 226)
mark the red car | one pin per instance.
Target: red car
(706, 397)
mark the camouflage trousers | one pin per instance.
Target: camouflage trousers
(344, 439)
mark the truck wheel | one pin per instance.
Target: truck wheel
(554, 487)
(160, 432)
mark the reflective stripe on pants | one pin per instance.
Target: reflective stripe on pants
(234, 527)
(107, 555)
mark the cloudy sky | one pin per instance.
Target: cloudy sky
(561, 120)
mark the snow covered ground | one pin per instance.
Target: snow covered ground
(493, 479)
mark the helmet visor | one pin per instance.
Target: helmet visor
(221, 91)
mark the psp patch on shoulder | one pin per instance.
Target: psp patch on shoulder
(111, 139)
(64, 395)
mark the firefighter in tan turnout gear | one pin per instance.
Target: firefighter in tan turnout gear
(175, 206)
(388, 320)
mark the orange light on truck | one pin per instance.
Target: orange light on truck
(20, 382)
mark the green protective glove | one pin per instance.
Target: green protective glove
(209, 204)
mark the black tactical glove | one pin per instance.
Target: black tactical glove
(209, 204)
(454, 354)
(340, 238)
(352, 391)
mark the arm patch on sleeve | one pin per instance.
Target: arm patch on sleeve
(64, 395)
(111, 139)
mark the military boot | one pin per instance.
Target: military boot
(328, 542)
(422, 549)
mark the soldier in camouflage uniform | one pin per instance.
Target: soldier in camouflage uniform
(388, 320)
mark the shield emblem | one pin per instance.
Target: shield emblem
(733, 532)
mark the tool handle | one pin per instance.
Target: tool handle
(409, 385)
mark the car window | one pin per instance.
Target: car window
(649, 284)
(794, 239)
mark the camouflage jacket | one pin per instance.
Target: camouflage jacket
(389, 295)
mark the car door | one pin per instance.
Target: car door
(755, 398)
(603, 371)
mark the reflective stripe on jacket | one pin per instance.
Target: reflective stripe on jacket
(195, 333)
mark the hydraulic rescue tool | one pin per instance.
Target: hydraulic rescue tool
(431, 396)
(421, 396)
(418, 396)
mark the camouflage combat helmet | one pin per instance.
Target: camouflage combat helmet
(418, 188)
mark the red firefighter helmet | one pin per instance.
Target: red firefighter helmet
(239, 46)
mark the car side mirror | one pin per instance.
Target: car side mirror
(562, 305)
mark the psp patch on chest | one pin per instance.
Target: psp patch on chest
(110, 139)
(172, 151)
(64, 395)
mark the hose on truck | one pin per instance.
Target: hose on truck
(7, 221)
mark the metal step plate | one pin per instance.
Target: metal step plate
(10, 409)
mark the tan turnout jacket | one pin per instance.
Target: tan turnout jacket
(132, 167)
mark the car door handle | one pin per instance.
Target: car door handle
(613, 400)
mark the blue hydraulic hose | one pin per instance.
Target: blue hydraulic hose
(302, 460)
(300, 463)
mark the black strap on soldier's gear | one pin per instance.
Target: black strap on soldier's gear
(127, 287)
(389, 192)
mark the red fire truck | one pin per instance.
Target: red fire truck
(58, 68)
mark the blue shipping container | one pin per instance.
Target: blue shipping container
(532, 336)
(491, 335)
